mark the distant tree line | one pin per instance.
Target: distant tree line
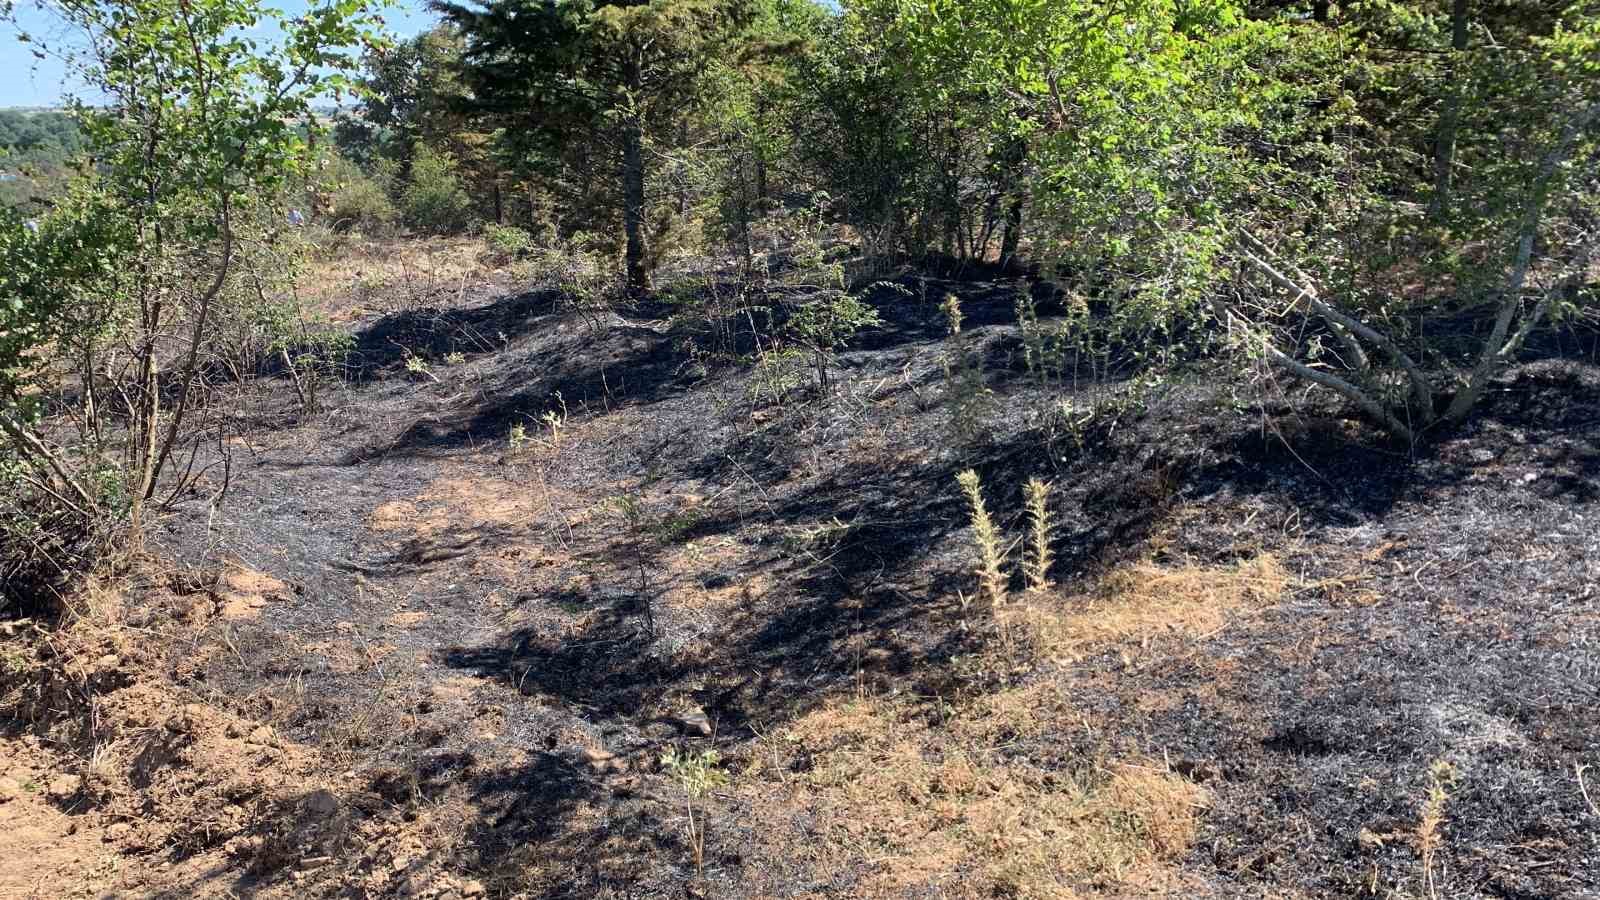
(43, 135)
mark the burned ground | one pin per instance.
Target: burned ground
(445, 633)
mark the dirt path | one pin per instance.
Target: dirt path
(49, 853)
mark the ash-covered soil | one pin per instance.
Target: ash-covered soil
(456, 627)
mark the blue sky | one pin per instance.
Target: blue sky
(28, 81)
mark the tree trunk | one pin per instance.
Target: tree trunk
(633, 222)
(1444, 145)
(1010, 179)
(747, 211)
(681, 171)
(951, 200)
(1013, 231)
(762, 187)
(147, 420)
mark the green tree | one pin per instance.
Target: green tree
(198, 119)
(753, 99)
(1189, 160)
(433, 198)
(596, 91)
(411, 93)
(1480, 177)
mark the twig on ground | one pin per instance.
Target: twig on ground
(1578, 770)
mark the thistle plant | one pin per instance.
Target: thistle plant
(986, 537)
(1442, 777)
(951, 307)
(416, 365)
(1036, 562)
(517, 437)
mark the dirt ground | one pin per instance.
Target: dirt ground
(409, 654)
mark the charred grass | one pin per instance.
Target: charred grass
(406, 658)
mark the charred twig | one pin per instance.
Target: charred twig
(1583, 789)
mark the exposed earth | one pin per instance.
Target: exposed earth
(408, 654)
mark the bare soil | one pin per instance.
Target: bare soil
(405, 658)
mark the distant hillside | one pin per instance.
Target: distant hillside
(36, 146)
(38, 136)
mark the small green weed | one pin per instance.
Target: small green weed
(696, 774)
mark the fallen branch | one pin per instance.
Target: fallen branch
(1584, 789)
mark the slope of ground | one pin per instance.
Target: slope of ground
(409, 656)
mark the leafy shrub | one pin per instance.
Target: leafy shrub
(140, 258)
(968, 397)
(356, 201)
(826, 324)
(777, 374)
(434, 200)
(507, 242)
(312, 356)
(581, 266)
(696, 774)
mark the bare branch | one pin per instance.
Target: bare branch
(197, 336)
(1352, 392)
(37, 451)
(1348, 328)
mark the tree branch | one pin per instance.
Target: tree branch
(36, 450)
(195, 339)
(1496, 349)
(1362, 399)
(1421, 390)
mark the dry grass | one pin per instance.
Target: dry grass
(1431, 820)
(954, 800)
(367, 274)
(1145, 602)
(952, 805)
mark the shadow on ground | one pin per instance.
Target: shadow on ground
(382, 347)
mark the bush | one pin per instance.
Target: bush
(356, 201)
(136, 261)
(580, 266)
(506, 242)
(826, 324)
(434, 200)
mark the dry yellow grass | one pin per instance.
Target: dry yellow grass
(1145, 601)
(945, 804)
(369, 274)
(950, 800)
